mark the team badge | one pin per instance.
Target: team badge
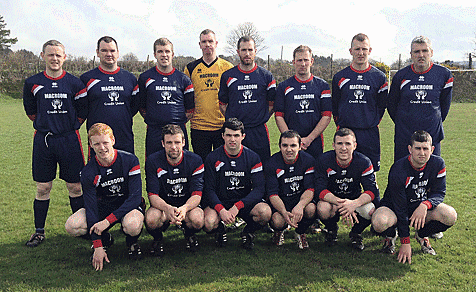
(166, 95)
(295, 187)
(358, 94)
(56, 104)
(247, 94)
(113, 95)
(420, 94)
(304, 104)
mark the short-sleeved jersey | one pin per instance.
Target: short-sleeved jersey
(237, 180)
(359, 97)
(112, 100)
(247, 94)
(165, 97)
(51, 102)
(206, 82)
(303, 103)
(345, 182)
(110, 192)
(175, 184)
(409, 187)
(420, 101)
(289, 181)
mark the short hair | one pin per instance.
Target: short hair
(53, 43)
(163, 42)
(420, 40)
(359, 37)
(107, 39)
(288, 135)
(342, 132)
(245, 39)
(420, 136)
(171, 129)
(234, 124)
(100, 129)
(206, 31)
(301, 49)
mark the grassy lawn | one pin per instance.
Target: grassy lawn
(62, 262)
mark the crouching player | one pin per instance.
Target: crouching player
(290, 188)
(414, 197)
(234, 187)
(341, 175)
(112, 191)
(174, 179)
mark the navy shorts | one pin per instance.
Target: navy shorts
(257, 139)
(49, 150)
(153, 139)
(316, 147)
(368, 143)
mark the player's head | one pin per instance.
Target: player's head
(303, 60)
(344, 145)
(289, 145)
(107, 52)
(173, 141)
(360, 50)
(233, 134)
(421, 53)
(420, 148)
(53, 54)
(246, 50)
(208, 43)
(101, 139)
(164, 53)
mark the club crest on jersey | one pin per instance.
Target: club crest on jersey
(114, 190)
(234, 181)
(113, 96)
(420, 94)
(294, 186)
(56, 104)
(166, 95)
(304, 104)
(359, 94)
(247, 94)
(420, 194)
(343, 186)
(209, 83)
(111, 79)
(177, 189)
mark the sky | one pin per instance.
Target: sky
(326, 27)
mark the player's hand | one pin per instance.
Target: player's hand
(289, 218)
(181, 213)
(305, 142)
(405, 254)
(417, 220)
(99, 227)
(227, 216)
(98, 258)
(346, 207)
(171, 214)
(298, 212)
(350, 219)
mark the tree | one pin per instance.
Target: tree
(244, 29)
(5, 42)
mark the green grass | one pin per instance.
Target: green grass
(61, 263)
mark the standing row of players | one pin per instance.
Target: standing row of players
(58, 104)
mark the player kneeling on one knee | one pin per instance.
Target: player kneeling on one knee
(341, 175)
(234, 187)
(112, 191)
(174, 178)
(290, 188)
(414, 197)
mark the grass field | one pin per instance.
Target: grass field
(61, 263)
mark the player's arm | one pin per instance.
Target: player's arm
(223, 94)
(446, 96)
(142, 96)
(189, 97)
(318, 129)
(29, 102)
(278, 204)
(80, 104)
(393, 98)
(279, 105)
(271, 95)
(196, 187)
(382, 96)
(257, 187)
(335, 99)
(211, 186)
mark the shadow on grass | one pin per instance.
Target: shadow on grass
(63, 262)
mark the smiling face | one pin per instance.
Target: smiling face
(289, 148)
(54, 57)
(164, 55)
(103, 145)
(344, 148)
(421, 56)
(360, 52)
(108, 55)
(173, 145)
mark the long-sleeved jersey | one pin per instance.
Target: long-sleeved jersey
(206, 83)
(408, 187)
(247, 95)
(111, 99)
(359, 97)
(237, 180)
(346, 182)
(175, 184)
(289, 181)
(420, 101)
(110, 192)
(165, 97)
(51, 102)
(303, 103)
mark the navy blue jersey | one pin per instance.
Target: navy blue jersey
(303, 103)
(408, 187)
(289, 181)
(51, 102)
(112, 100)
(359, 97)
(175, 184)
(165, 97)
(110, 192)
(235, 180)
(420, 101)
(247, 94)
(345, 182)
